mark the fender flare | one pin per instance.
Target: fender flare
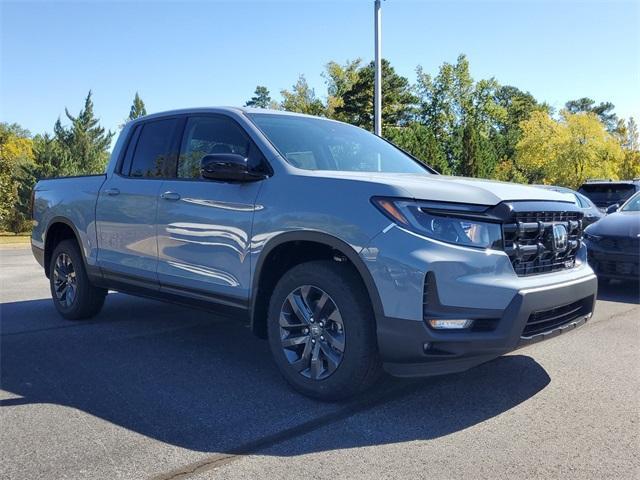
(68, 223)
(325, 239)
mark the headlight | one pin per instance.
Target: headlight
(451, 223)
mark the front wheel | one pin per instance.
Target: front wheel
(73, 295)
(322, 331)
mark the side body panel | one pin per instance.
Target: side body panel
(72, 201)
(204, 233)
(126, 224)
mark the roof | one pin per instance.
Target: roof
(222, 109)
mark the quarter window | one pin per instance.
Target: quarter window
(154, 155)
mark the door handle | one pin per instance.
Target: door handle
(170, 196)
(112, 191)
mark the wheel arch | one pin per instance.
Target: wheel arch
(324, 243)
(59, 229)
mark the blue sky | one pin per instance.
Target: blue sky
(182, 54)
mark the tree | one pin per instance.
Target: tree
(462, 115)
(518, 106)
(339, 79)
(137, 108)
(567, 151)
(85, 144)
(302, 99)
(16, 151)
(260, 99)
(419, 141)
(398, 99)
(604, 111)
(630, 166)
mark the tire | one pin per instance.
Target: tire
(73, 295)
(335, 374)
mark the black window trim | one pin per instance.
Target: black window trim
(134, 137)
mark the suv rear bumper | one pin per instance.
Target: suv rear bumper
(411, 348)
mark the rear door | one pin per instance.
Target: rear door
(127, 204)
(204, 226)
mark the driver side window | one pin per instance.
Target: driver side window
(208, 135)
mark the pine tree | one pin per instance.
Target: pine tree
(398, 100)
(137, 108)
(85, 144)
(260, 99)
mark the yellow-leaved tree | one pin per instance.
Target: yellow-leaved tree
(16, 151)
(566, 151)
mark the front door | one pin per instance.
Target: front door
(126, 210)
(204, 226)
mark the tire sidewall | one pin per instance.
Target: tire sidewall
(339, 284)
(70, 248)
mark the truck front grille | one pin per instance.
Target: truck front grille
(547, 320)
(529, 241)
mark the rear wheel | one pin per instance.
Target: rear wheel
(322, 331)
(73, 295)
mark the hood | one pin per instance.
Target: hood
(619, 224)
(442, 188)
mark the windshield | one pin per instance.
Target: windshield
(317, 144)
(632, 205)
(607, 194)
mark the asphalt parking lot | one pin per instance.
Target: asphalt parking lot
(150, 390)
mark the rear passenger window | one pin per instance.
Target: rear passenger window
(206, 135)
(155, 155)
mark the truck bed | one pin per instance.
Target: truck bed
(71, 198)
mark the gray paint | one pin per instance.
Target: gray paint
(212, 237)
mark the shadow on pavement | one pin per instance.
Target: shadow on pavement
(619, 291)
(202, 382)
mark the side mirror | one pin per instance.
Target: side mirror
(612, 208)
(227, 167)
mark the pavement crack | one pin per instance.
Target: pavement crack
(252, 447)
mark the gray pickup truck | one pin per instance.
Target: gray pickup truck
(348, 254)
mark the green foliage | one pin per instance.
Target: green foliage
(340, 79)
(261, 98)
(138, 108)
(464, 117)
(604, 111)
(302, 99)
(398, 99)
(85, 144)
(419, 141)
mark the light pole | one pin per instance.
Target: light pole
(377, 89)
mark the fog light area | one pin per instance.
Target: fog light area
(446, 324)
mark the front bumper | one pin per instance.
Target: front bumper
(621, 265)
(411, 348)
(471, 284)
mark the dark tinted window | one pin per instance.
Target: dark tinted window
(603, 194)
(153, 157)
(206, 135)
